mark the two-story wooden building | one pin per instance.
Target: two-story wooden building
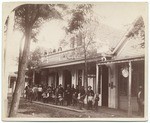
(115, 76)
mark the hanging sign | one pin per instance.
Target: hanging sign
(125, 72)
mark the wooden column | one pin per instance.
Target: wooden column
(97, 74)
(33, 79)
(129, 90)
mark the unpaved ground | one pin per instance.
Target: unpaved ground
(27, 109)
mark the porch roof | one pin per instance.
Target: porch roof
(142, 58)
(72, 62)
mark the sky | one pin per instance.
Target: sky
(116, 15)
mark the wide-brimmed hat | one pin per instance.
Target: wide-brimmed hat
(89, 87)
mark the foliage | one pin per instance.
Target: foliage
(138, 31)
(34, 58)
(37, 15)
(27, 18)
(79, 16)
(81, 31)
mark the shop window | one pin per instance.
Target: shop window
(123, 83)
(137, 77)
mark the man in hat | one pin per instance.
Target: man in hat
(90, 96)
(40, 91)
(68, 95)
(140, 101)
(81, 97)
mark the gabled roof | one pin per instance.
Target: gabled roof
(127, 46)
(110, 35)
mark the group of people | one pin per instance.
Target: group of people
(71, 96)
(59, 95)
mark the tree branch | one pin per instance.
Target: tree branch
(36, 16)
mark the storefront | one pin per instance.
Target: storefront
(71, 74)
(119, 79)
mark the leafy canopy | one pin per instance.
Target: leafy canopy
(34, 15)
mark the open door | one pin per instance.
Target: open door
(104, 86)
(67, 78)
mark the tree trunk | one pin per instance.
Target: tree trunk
(85, 75)
(21, 74)
(20, 49)
(85, 66)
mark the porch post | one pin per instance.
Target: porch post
(97, 74)
(33, 78)
(129, 90)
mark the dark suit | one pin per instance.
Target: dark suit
(140, 101)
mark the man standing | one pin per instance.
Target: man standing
(27, 91)
(68, 95)
(81, 97)
(40, 91)
(140, 101)
(90, 95)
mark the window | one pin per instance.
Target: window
(123, 83)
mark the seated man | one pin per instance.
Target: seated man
(45, 96)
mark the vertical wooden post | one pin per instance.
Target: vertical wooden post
(33, 78)
(129, 90)
(97, 75)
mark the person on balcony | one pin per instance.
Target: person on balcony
(54, 51)
(59, 49)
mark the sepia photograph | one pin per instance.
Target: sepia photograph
(75, 61)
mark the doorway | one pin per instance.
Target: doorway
(57, 79)
(67, 78)
(104, 86)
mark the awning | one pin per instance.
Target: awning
(121, 61)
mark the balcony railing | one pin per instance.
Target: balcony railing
(62, 56)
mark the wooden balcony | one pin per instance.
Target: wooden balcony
(62, 56)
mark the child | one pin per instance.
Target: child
(96, 102)
(53, 97)
(60, 99)
(74, 98)
(90, 101)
